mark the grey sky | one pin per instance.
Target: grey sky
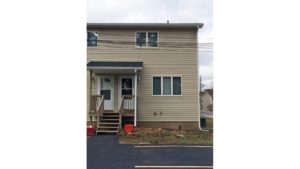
(161, 11)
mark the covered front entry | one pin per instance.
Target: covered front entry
(113, 93)
(114, 88)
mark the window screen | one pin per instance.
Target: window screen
(152, 39)
(92, 38)
(167, 85)
(106, 94)
(156, 86)
(176, 85)
(141, 39)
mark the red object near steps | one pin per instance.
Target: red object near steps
(90, 131)
(128, 128)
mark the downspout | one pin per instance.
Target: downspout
(198, 81)
(135, 98)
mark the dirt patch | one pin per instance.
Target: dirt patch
(166, 136)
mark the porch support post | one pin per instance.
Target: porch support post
(135, 97)
(90, 98)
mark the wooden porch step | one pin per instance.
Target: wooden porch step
(110, 115)
(109, 123)
(107, 131)
(110, 119)
(110, 112)
(108, 127)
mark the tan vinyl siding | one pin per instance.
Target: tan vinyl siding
(157, 61)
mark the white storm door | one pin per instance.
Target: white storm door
(107, 90)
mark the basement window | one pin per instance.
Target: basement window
(146, 39)
(166, 86)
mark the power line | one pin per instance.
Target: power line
(181, 42)
(126, 44)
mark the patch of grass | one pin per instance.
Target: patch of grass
(165, 136)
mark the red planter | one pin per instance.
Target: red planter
(128, 128)
(90, 131)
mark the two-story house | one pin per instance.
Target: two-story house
(146, 74)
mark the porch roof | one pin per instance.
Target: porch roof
(106, 65)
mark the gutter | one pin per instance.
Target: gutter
(145, 25)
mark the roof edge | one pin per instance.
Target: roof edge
(146, 25)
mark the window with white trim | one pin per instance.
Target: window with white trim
(146, 39)
(166, 86)
(92, 39)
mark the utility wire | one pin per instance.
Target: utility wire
(160, 44)
(133, 35)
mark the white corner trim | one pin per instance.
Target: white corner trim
(198, 82)
(135, 98)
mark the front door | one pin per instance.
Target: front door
(126, 87)
(106, 86)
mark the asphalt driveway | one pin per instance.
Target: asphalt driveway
(104, 152)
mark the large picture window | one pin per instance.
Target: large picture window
(166, 85)
(92, 38)
(146, 39)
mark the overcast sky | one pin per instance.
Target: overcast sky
(161, 11)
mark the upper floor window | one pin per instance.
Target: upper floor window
(92, 39)
(146, 39)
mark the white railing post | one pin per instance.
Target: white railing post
(135, 97)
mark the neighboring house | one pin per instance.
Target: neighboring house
(143, 73)
(206, 100)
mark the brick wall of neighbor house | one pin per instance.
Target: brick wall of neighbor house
(157, 61)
